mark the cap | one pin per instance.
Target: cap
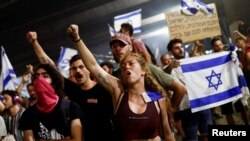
(120, 37)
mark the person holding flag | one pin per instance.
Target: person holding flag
(191, 122)
(228, 108)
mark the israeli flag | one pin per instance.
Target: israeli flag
(111, 30)
(204, 7)
(8, 74)
(212, 80)
(63, 61)
(191, 7)
(149, 96)
(188, 7)
(134, 18)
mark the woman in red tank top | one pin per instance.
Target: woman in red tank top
(130, 92)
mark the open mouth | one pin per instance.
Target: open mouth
(79, 76)
(128, 73)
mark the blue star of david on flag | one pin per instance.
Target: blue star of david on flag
(212, 80)
(208, 84)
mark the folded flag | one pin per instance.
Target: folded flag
(212, 80)
(241, 78)
(151, 96)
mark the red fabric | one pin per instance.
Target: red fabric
(243, 58)
(46, 96)
(138, 46)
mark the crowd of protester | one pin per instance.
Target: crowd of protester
(137, 101)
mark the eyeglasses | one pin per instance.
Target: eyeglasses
(43, 74)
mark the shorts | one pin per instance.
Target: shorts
(227, 108)
(193, 122)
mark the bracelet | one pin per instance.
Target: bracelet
(77, 40)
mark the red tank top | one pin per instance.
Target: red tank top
(243, 57)
(133, 126)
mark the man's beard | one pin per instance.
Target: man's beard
(179, 57)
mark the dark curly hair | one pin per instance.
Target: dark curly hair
(172, 42)
(56, 77)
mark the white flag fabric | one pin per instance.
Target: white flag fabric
(204, 7)
(212, 80)
(63, 61)
(191, 7)
(134, 18)
(8, 74)
(188, 7)
(111, 30)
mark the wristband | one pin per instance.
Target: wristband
(77, 40)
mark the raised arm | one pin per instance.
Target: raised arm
(25, 78)
(41, 55)
(237, 33)
(109, 82)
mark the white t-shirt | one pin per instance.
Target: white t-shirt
(3, 131)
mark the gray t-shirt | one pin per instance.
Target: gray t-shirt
(164, 79)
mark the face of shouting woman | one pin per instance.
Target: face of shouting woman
(131, 70)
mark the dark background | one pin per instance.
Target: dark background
(50, 18)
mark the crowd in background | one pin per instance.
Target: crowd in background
(141, 100)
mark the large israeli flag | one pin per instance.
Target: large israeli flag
(63, 61)
(212, 80)
(134, 18)
(8, 74)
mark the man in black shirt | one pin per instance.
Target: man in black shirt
(94, 100)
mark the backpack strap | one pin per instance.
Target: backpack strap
(65, 108)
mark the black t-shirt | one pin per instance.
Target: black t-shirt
(96, 104)
(50, 125)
